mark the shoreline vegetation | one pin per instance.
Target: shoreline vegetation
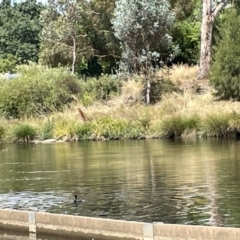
(108, 108)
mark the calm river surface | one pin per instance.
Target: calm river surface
(170, 181)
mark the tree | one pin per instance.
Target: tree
(186, 30)
(63, 39)
(210, 9)
(225, 71)
(143, 28)
(19, 29)
(100, 31)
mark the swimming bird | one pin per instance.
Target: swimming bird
(76, 200)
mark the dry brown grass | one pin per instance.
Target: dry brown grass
(179, 74)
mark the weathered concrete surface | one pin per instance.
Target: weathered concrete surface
(104, 229)
(12, 219)
(88, 226)
(185, 232)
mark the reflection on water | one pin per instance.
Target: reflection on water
(185, 182)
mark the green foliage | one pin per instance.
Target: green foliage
(24, 132)
(137, 24)
(37, 91)
(175, 126)
(217, 125)
(2, 132)
(101, 36)
(109, 128)
(47, 129)
(65, 128)
(8, 64)
(186, 34)
(63, 38)
(99, 89)
(84, 131)
(19, 29)
(225, 71)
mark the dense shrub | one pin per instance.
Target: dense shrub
(8, 64)
(37, 91)
(2, 132)
(99, 89)
(225, 71)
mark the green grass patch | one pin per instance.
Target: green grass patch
(217, 125)
(24, 132)
(175, 126)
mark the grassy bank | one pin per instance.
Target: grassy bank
(122, 114)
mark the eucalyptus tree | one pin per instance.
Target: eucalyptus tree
(63, 39)
(210, 9)
(143, 27)
(99, 28)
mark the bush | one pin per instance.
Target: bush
(100, 89)
(225, 71)
(47, 130)
(8, 64)
(37, 91)
(2, 132)
(24, 132)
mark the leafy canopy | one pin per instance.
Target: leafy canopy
(225, 71)
(143, 25)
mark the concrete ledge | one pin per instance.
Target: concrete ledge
(86, 225)
(13, 218)
(97, 228)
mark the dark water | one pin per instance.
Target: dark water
(184, 182)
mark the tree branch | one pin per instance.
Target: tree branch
(219, 7)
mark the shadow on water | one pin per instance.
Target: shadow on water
(171, 181)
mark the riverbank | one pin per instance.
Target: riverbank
(176, 115)
(191, 112)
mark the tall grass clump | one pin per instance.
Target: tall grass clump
(179, 73)
(47, 129)
(234, 123)
(132, 91)
(24, 132)
(217, 124)
(110, 128)
(65, 129)
(2, 132)
(37, 91)
(84, 131)
(175, 126)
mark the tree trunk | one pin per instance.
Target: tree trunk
(148, 90)
(74, 55)
(208, 16)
